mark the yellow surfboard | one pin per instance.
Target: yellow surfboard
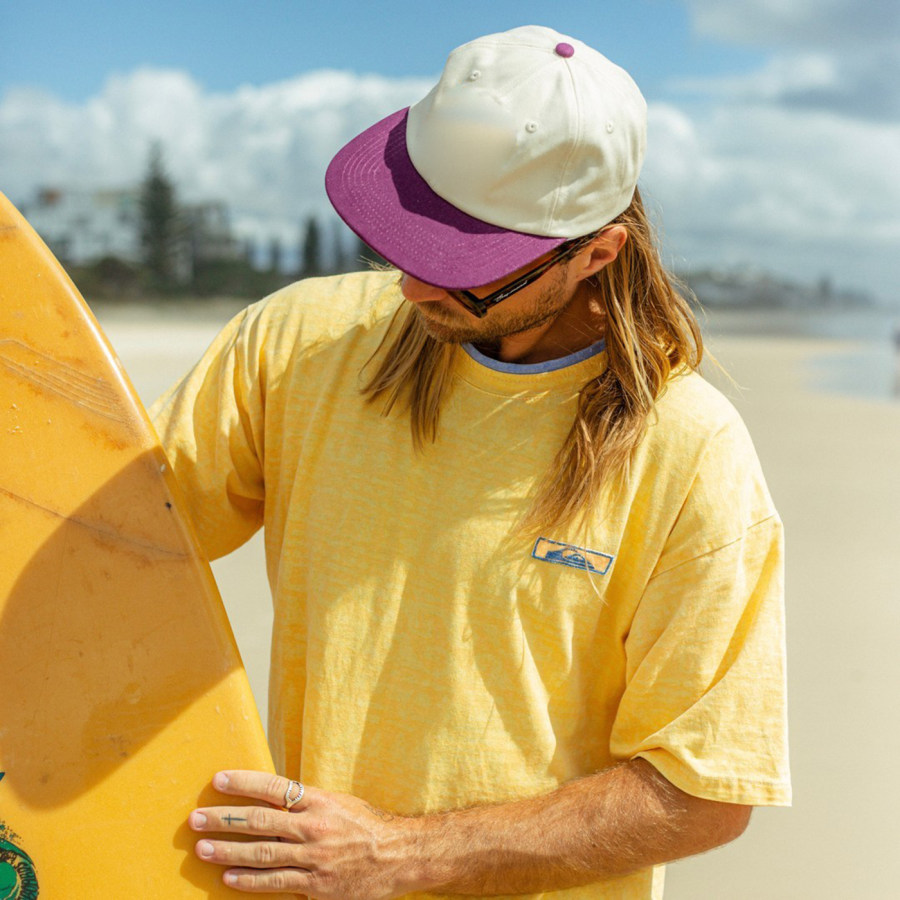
(121, 687)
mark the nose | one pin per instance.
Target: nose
(417, 291)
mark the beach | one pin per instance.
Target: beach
(831, 453)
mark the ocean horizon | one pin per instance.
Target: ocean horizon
(868, 367)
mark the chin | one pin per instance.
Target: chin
(446, 332)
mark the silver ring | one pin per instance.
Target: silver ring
(292, 801)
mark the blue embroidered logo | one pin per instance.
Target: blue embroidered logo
(575, 557)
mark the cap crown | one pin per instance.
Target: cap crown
(533, 131)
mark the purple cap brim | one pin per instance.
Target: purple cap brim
(377, 191)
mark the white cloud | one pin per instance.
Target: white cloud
(857, 86)
(742, 177)
(806, 195)
(839, 55)
(792, 166)
(805, 23)
(263, 150)
(813, 179)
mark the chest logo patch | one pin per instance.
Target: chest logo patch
(574, 557)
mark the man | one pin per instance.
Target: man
(527, 575)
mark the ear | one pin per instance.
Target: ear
(600, 252)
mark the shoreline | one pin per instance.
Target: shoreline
(857, 361)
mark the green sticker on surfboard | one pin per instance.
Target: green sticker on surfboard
(18, 880)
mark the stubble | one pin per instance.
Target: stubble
(456, 325)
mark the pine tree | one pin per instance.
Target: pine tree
(249, 251)
(340, 262)
(275, 254)
(159, 220)
(311, 249)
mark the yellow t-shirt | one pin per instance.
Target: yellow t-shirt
(423, 658)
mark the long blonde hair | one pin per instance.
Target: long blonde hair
(650, 331)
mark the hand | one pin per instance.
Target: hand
(328, 846)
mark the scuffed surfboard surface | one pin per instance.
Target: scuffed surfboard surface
(121, 687)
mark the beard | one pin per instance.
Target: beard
(456, 325)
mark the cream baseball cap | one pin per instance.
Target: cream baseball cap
(530, 138)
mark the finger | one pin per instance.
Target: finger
(253, 881)
(255, 820)
(259, 786)
(251, 854)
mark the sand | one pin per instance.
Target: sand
(833, 466)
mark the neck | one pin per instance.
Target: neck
(578, 325)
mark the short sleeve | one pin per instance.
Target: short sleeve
(705, 693)
(211, 426)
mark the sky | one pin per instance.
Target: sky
(774, 128)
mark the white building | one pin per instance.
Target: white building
(84, 226)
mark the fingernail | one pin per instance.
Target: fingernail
(198, 820)
(220, 781)
(230, 879)
(205, 849)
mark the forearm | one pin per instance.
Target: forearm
(337, 847)
(608, 824)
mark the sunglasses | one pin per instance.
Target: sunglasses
(479, 306)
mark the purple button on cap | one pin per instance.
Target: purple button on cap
(565, 50)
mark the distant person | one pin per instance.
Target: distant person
(527, 575)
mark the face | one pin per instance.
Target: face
(446, 320)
